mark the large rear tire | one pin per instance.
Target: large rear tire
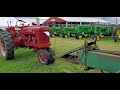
(6, 45)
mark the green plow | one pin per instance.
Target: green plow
(92, 57)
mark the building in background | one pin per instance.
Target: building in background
(73, 20)
(58, 21)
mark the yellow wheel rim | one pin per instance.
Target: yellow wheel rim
(86, 35)
(60, 34)
(118, 32)
(102, 36)
(65, 36)
(98, 38)
(73, 35)
(80, 36)
(53, 35)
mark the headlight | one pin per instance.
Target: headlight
(47, 33)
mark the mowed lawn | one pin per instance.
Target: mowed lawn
(26, 60)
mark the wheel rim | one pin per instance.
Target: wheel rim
(53, 35)
(42, 57)
(102, 36)
(98, 38)
(3, 49)
(118, 33)
(80, 36)
(65, 36)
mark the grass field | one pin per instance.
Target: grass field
(26, 60)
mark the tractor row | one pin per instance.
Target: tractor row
(81, 31)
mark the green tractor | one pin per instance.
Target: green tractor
(116, 33)
(97, 30)
(101, 30)
(64, 32)
(107, 30)
(68, 31)
(55, 31)
(83, 31)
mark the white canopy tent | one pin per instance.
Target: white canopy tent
(83, 19)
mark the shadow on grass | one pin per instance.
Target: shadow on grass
(22, 53)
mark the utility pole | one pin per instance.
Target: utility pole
(37, 21)
(116, 21)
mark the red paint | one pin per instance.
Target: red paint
(42, 57)
(53, 19)
(30, 36)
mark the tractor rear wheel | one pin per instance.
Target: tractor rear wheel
(66, 36)
(77, 36)
(80, 37)
(44, 56)
(52, 53)
(98, 38)
(63, 35)
(6, 45)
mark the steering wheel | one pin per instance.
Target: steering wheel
(19, 21)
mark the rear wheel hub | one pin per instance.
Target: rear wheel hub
(42, 57)
(3, 49)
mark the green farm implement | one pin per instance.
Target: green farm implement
(92, 57)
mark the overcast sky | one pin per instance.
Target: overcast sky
(109, 19)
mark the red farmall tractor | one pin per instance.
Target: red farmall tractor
(32, 37)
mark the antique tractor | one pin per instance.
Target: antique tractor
(26, 36)
(116, 33)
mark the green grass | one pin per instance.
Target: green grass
(26, 60)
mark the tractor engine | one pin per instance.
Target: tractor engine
(36, 37)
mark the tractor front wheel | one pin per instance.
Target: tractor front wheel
(52, 53)
(44, 56)
(53, 35)
(6, 45)
(65, 36)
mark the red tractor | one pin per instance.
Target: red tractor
(32, 37)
